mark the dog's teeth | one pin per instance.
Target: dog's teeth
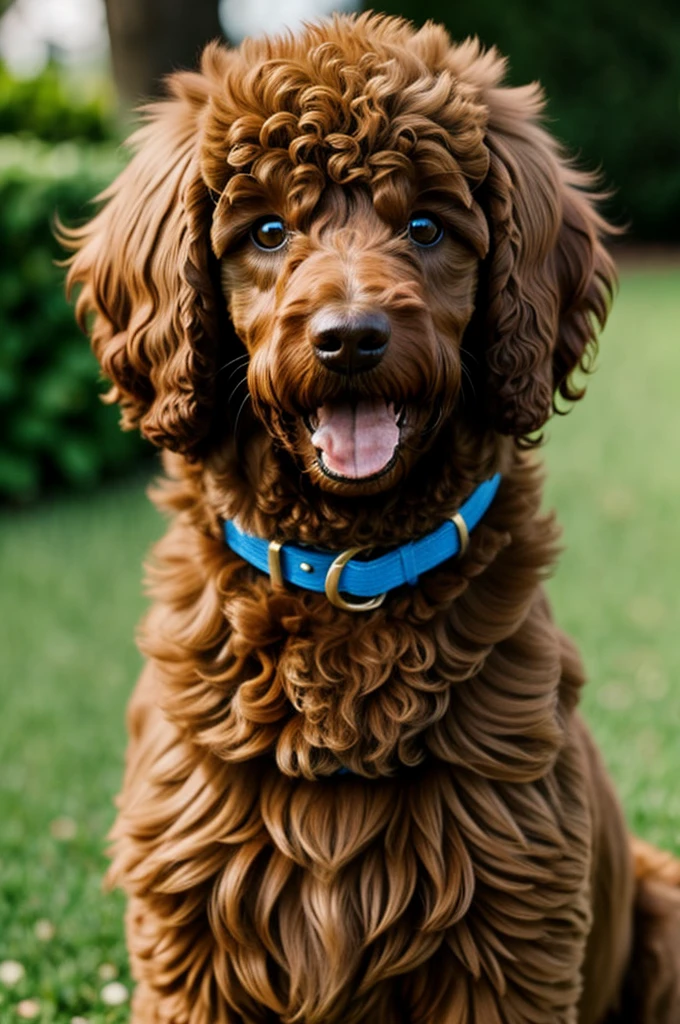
(400, 415)
(313, 421)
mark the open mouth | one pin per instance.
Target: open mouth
(357, 440)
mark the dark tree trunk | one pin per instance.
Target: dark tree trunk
(150, 38)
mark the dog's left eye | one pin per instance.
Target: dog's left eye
(425, 230)
(269, 233)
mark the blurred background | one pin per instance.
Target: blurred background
(74, 520)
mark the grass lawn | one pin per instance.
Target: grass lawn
(67, 658)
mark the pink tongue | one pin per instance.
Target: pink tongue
(356, 440)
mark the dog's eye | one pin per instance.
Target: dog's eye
(425, 230)
(269, 233)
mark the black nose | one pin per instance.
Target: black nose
(348, 344)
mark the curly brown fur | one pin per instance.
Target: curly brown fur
(473, 866)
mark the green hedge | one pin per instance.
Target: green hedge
(54, 430)
(56, 108)
(611, 71)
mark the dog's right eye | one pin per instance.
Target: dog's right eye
(269, 233)
(425, 230)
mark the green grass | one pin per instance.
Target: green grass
(614, 476)
(67, 657)
(68, 662)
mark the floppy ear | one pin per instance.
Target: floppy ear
(549, 279)
(146, 272)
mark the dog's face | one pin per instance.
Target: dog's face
(353, 323)
(355, 235)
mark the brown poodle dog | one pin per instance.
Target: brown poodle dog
(343, 278)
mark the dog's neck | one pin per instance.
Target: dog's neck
(287, 676)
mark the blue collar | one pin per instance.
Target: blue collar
(371, 578)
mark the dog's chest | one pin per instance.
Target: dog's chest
(348, 886)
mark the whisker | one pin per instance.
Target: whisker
(428, 429)
(237, 359)
(244, 380)
(467, 354)
(468, 376)
(237, 369)
(435, 424)
(238, 414)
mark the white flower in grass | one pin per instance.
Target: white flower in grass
(28, 1009)
(114, 994)
(63, 829)
(44, 930)
(107, 972)
(11, 972)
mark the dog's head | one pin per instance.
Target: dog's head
(359, 231)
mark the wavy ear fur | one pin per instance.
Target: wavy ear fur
(145, 268)
(549, 280)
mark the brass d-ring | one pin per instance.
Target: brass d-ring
(333, 582)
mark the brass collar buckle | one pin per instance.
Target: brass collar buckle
(332, 582)
(332, 585)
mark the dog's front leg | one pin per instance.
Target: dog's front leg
(161, 860)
